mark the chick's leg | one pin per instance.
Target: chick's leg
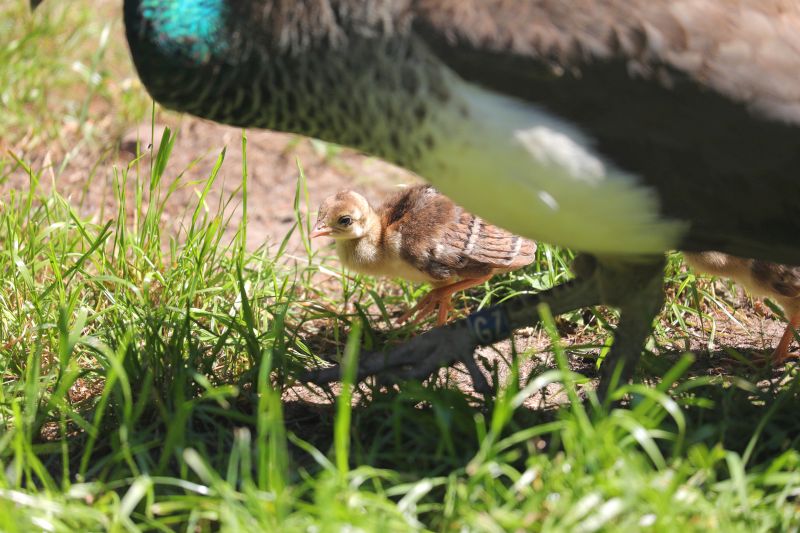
(441, 298)
(781, 353)
(422, 355)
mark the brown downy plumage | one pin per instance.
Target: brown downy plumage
(420, 235)
(762, 278)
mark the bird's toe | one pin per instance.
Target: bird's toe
(777, 359)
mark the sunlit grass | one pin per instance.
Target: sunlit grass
(149, 377)
(67, 82)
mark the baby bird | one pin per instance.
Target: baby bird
(420, 235)
(762, 278)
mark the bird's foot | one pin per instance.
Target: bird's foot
(773, 359)
(418, 358)
(635, 288)
(781, 354)
(778, 360)
(440, 297)
(437, 298)
(421, 356)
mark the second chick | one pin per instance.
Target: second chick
(420, 235)
(762, 278)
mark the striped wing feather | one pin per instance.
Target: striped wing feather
(445, 241)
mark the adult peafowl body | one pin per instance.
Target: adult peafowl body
(619, 128)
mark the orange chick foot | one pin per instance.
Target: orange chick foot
(427, 305)
(441, 298)
(773, 359)
(782, 353)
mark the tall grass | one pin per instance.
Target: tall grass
(143, 388)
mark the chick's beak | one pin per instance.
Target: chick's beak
(320, 230)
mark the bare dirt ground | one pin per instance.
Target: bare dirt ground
(272, 165)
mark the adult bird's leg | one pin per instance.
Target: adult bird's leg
(637, 290)
(634, 288)
(442, 346)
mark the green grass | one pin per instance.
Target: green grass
(145, 374)
(66, 83)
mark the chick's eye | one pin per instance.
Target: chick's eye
(345, 221)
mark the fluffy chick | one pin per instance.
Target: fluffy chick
(762, 278)
(420, 235)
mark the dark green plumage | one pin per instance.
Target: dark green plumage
(239, 68)
(362, 74)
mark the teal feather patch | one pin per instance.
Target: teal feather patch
(187, 29)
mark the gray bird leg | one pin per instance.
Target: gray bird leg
(420, 356)
(633, 287)
(637, 290)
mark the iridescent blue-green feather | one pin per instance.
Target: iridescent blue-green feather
(319, 68)
(190, 30)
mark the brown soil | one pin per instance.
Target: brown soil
(272, 167)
